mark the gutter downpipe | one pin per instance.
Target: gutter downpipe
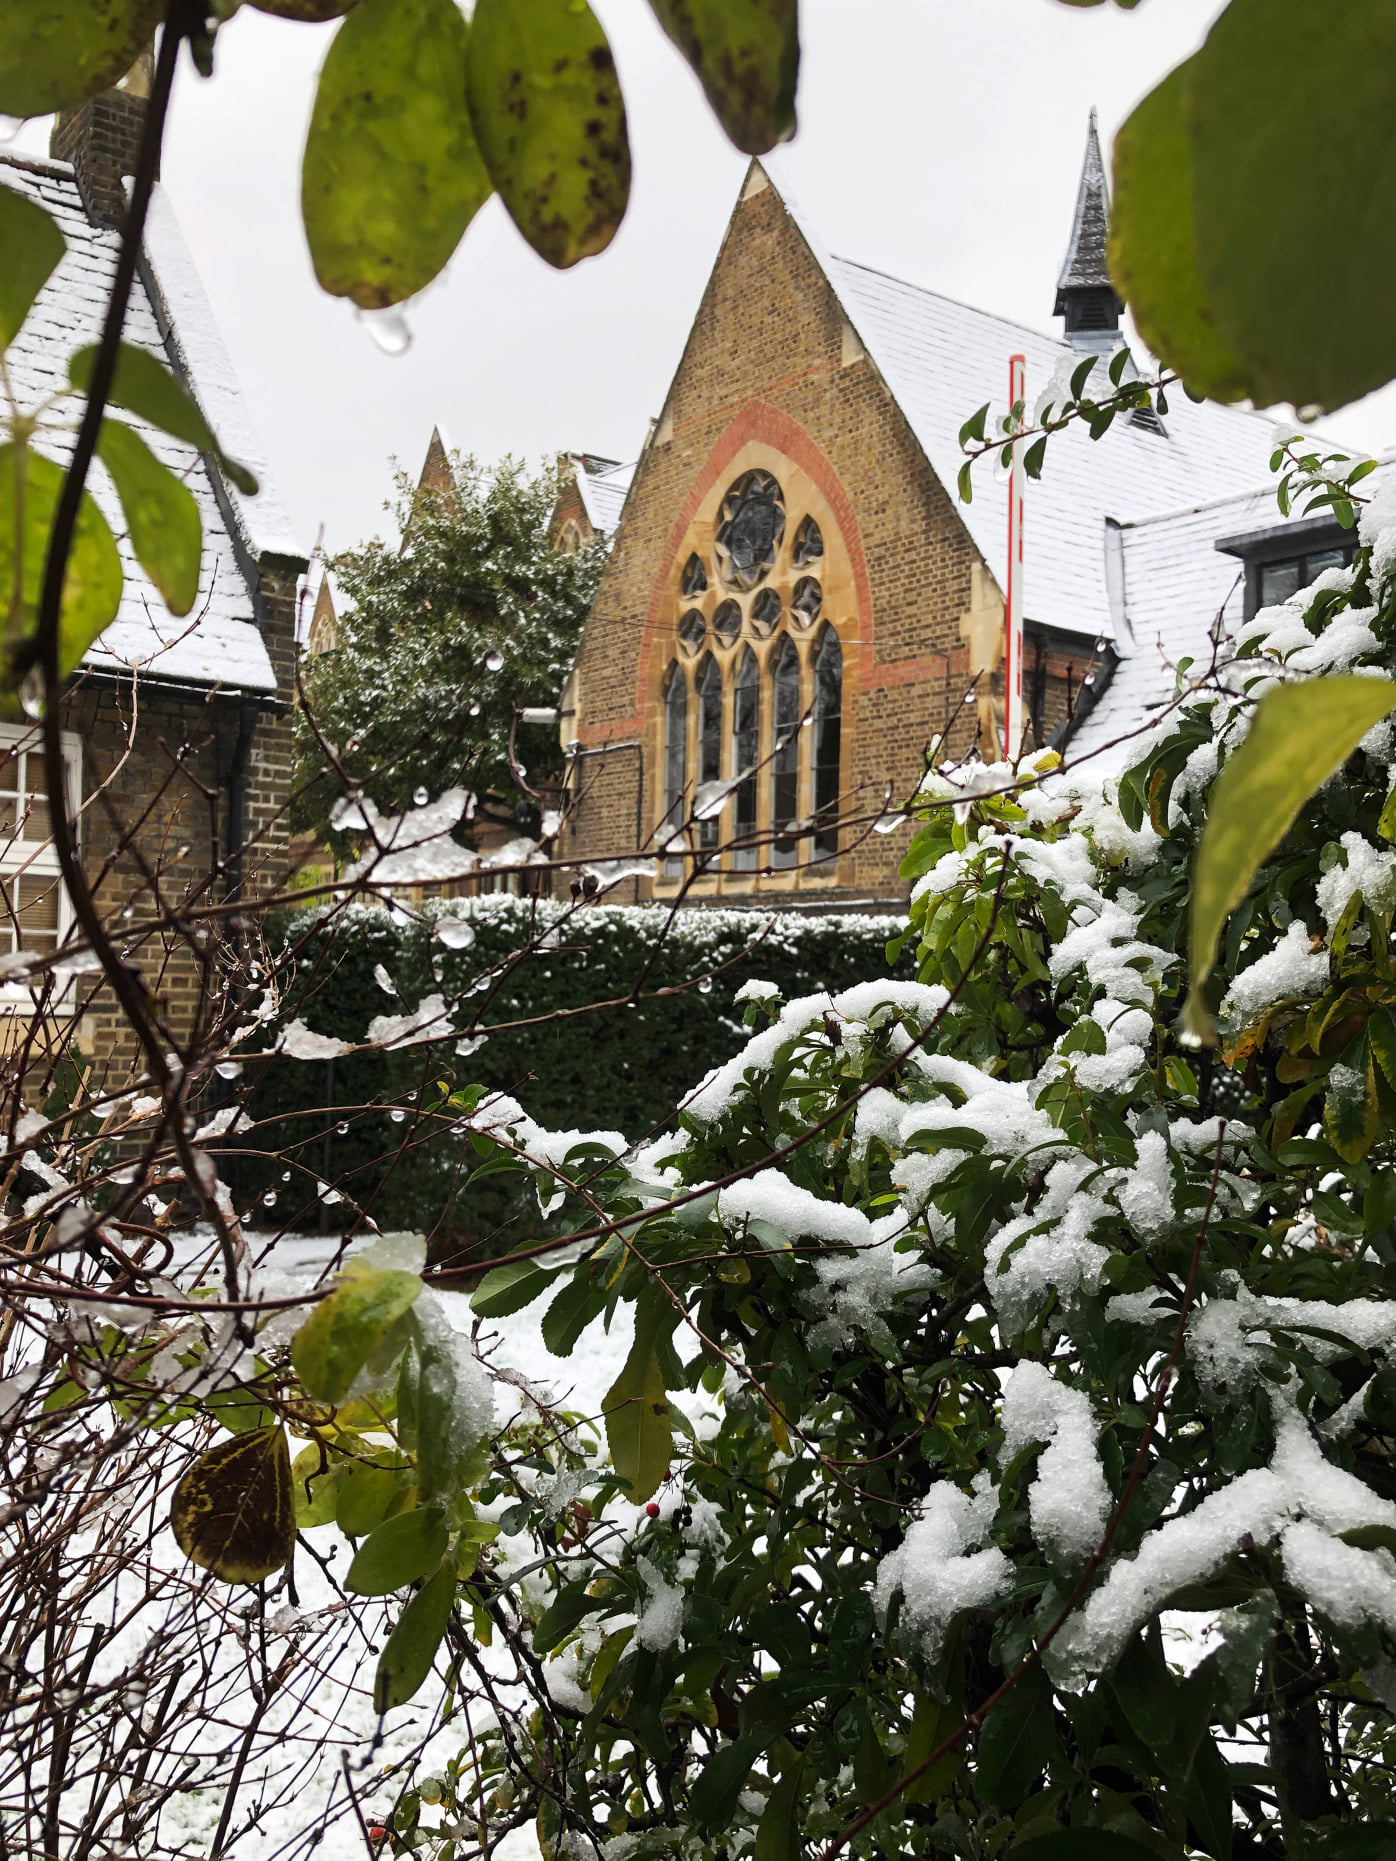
(249, 712)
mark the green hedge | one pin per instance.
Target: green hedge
(621, 1068)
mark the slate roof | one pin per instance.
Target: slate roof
(603, 495)
(218, 642)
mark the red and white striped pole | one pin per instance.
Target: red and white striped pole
(1013, 602)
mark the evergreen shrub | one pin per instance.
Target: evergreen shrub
(571, 1063)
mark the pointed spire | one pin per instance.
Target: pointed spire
(1085, 296)
(436, 467)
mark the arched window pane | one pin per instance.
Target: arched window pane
(675, 759)
(709, 738)
(828, 735)
(785, 762)
(746, 737)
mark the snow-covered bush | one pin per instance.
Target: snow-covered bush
(987, 1338)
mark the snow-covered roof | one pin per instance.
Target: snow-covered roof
(603, 494)
(218, 642)
(941, 359)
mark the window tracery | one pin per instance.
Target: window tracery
(754, 655)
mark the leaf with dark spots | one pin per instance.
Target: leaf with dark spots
(746, 57)
(550, 122)
(233, 1514)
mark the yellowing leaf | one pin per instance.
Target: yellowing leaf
(161, 515)
(1153, 244)
(30, 486)
(550, 122)
(1299, 736)
(1318, 332)
(408, 1654)
(746, 57)
(342, 1332)
(232, 1513)
(1351, 1114)
(638, 1430)
(30, 247)
(53, 53)
(391, 176)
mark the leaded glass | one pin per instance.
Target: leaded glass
(828, 741)
(727, 622)
(675, 760)
(809, 544)
(765, 613)
(694, 580)
(752, 524)
(746, 737)
(806, 601)
(709, 738)
(692, 632)
(785, 761)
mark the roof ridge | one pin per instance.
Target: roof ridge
(38, 164)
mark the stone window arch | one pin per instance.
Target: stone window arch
(746, 754)
(827, 748)
(759, 609)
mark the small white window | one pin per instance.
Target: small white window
(35, 913)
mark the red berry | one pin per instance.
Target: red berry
(377, 1833)
(652, 1510)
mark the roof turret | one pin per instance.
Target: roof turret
(1086, 298)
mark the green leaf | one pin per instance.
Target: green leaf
(1017, 1742)
(239, 1410)
(443, 1406)
(713, 1798)
(1319, 333)
(30, 247)
(778, 1832)
(1205, 1797)
(318, 1506)
(549, 118)
(365, 1494)
(636, 1408)
(509, 1289)
(873, 1776)
(1299, 736)
(399, 1551)
(333, 1344)
(747, 58)
(1370, 1537)
(1153, 256)
(30, 486)
(145, 387)
(410, 1650)
(1082, 1845)
(580, 1301)
(570, 1609)
(1245, 1636)
(391, 176)
(1351, 1115)
(161, 515)
(232, 1513)
(53, 53)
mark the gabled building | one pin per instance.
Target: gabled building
(176, 730)
(792, 552)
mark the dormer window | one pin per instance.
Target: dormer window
(1286, 557)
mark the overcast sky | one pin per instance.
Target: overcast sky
(939, 140)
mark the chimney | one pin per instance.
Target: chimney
(102, 139)
(1086, 298)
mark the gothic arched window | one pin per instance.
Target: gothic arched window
(675, 758)
(828, 734)
(785, 762)
(709, 686)
(746, 738)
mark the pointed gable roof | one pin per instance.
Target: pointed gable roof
(1085, 266)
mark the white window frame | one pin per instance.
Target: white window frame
(27, 856)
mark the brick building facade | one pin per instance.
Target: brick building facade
(794, 589)
(177, 731)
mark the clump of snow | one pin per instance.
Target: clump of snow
(1146, 1195)
(1069, 1501)
(661, 1620)
(427, 1021)
(453, 1376)
(299, 1042)
(1366, 869)
(1049, 1249)
(502, 1117)
(456, 933)
(1292, 971)
(757, 991)
(940, 1568)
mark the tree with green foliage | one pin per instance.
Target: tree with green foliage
(441, 642)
